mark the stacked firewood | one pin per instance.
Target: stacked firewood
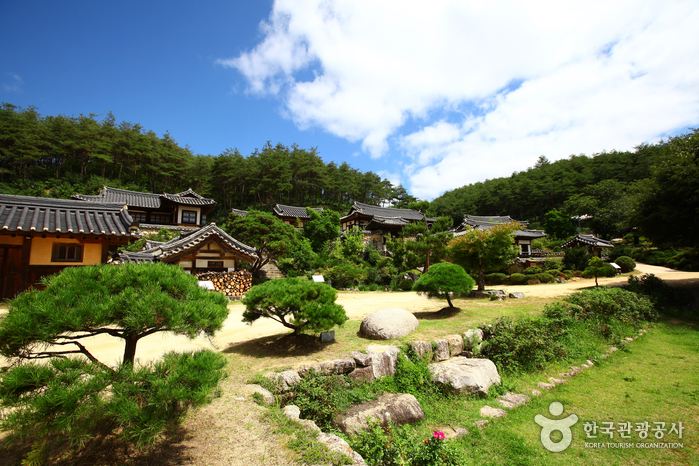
(229, 283)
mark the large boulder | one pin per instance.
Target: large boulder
(336, 444)
(384, 360)
(464, 376)
(398, 408)
(388, 324)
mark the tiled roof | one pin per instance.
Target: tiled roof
(484, 222)
(177, 245)
(157, 226)
(293, 211)
(239, 212)
(588, 240)
(40, 214)
(385, 212)
(144, 200)
(378, 222)
(529, 233)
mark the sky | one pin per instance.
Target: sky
(431, 95)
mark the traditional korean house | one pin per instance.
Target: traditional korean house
(523, 237)
(296, 216)
(185, 211)
(42, 236)
(379, 223)
(208, 249)
(594, 245)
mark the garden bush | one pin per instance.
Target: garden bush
(671, 301)
(605, 271)
(533, 270)
(544, 277)
(495, 279)
(552, 264)
(626, 263)
(606, 304)
(406, 284)
(518, 279)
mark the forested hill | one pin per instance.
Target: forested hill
(579, 185)
(57, 156)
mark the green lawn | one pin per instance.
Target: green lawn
(655, 381)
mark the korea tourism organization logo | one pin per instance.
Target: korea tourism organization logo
(624, 434)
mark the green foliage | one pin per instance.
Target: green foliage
(322, 228)
(671, 301)
(398, 445)
(558, 225)
(576, 258)
(271, 238)
(485, 250)
(428, 243)
(129, 301)
(667, 211)
(533, 270)
(626, 263)
(162, 236)
(301, 305)
(518, 279)
(607, 304)
(301, 259)
(442, 280)
(496, 279)
(345, 274)
(406, 284)
(351, 246)
(77, 400)
(598, 268)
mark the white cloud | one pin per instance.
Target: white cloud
(16, 84)
(594, 75)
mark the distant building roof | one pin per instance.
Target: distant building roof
(481, 222)
(239, 212)
(367, 210)
(282, 210)
(587, 240)
(145, 200)
(161, 251)
(40, 214)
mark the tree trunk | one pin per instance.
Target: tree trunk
(449, 301)
(130, 349)
(481, 277)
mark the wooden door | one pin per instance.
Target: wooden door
(10, 261)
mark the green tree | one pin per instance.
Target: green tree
(442, 280)
(596, 267)
(301, 305)
(427, 241)
(485, 250)
(558, 225)
(668, 211)
(77, 397)
(271, 238)
(322, 228)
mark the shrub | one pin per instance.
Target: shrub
(552, 264)
(495, 279)
(443, 279)
(518, 279)
(605, 270)
(576, 258)
(626, 263)
(309, 306)
(606, 304)
(406, 284)
(533, 270)
(676, 302)
(544, 277)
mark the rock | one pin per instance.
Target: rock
(305, 369)
(267, 397)
(479, 295)
(575, 370)
(285, 380)
(441, 352)
(613, 348)
(481, 423)
(383, 360)
(456, 344)
(473, 338)
(463, 375)
(451, 433)
(489, 411)
(400, 408)
(388, 324)
(516, 295)
(293, 412)
(585, 366)
(338, 445)
(536, 392)
(512, 400)
(556, 381)
(339, 366)
(362, 374)
(629, 339)
(590, 363)
(422, 348)
(498, 295)
(545, 386)
(361, 359)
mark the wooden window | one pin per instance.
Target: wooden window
(189, 216)
(63, 252)
(214, 264)
(163, 219)
(140, 217)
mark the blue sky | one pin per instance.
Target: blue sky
(433, 96)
